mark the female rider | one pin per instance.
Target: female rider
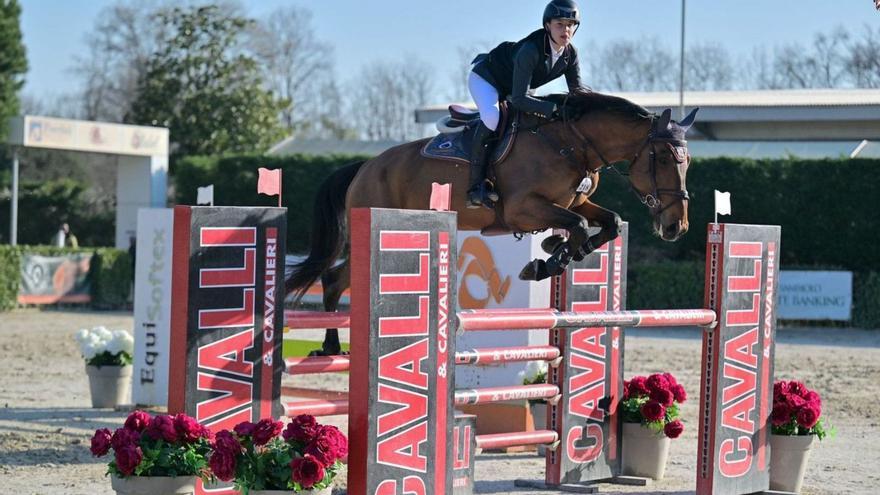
(509, 71)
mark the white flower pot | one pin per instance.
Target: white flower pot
(323, 491)
(109, 385)
(154, 485)
(539, 414)
(789, 455)
(644, 452)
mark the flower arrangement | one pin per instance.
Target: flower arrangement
(535, 372)
(160, 445)
(306, 455)
(653, 401)
(797, 410)
(102, 347)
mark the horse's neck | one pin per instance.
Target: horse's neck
(614, 137)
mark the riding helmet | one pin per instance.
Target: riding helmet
(562, 9)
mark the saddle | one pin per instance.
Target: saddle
(457, 132)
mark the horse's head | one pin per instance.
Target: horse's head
(658, 173)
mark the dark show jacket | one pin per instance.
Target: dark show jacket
(515, 67)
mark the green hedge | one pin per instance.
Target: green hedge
(110, 274)
(235, 184)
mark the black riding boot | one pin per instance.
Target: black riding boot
(480, 191)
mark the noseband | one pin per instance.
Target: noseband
(651, 200)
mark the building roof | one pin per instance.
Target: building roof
(767, 115)
(330, 146)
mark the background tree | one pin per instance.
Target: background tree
(386, 95)
(633, 65)
(863, 59)
(708, 68)
(204, 87)
(13, 61)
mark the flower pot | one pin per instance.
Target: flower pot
(788, 461)
(539, 414)
(323, 491)
(644, 451)
(109, 385)
(153, 485)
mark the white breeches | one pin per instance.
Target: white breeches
(486, 98)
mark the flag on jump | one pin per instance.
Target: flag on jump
(722, 204)
(269, 183)
(205, 195)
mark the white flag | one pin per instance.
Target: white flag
(205, 195)
(722, 203)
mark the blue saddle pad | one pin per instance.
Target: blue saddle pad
(456, 146)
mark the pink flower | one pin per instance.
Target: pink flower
(226, 443)
(813, 397)
(795, 401)
(808, 415)
(266, 430)
(123, 437)
(638, 387)
(780, 390)
(306, 471)
(187, 428)
(137, 421)
(245, 428)
(664, 397)
(673, 429)
(222, 464)
(101, 442)
(303, 428)
(128, 458)
(781, 414)
(679, 393)
(328, 446)
(657, 382)
(653, 411)
(162, 427)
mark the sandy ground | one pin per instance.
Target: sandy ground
(46, 421)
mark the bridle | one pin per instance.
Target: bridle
(651, 200)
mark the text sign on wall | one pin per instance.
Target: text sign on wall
(815, 295)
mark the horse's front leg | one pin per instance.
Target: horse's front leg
(609, 222)
(535, 213)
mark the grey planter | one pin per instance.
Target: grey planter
(789, 455)
(110, 386)
(644, 452)
(154, 485)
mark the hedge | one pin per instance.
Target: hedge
(110, 274)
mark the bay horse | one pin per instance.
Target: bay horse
(537, 182)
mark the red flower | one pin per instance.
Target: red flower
(162, 426)
(245, 428)
(653, 411)
(303, 428)
(101, 442)
(795, 402)
(266, 430)
(664, 397)
(808, 415)
(780, 390)
(137, 421)
(225, 443)
(123, 437)
(673, 429)
(306, 471)
(328, 446)
(625, 390)
(638, 386)
(128, 458)
(670, 379)
(798, 388)
(679, 393)
(813, 398)
(222, 464)
(188, 429)
(781, 414)
(657, 382)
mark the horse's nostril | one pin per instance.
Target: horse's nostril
(670, 231)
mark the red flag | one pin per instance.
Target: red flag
(441, 195)
(269, 182)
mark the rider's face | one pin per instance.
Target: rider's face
(562, 31)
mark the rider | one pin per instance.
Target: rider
(509, 71)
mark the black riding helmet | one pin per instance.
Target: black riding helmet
(562, 9)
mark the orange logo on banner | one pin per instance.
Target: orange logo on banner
(480, 264)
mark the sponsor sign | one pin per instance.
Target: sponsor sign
(55, 279)
(96, 137)
(815, 295)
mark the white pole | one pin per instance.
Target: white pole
(13, 205)
(681, 71)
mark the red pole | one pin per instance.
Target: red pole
(500, 319)
(515, 439)
(297, 320)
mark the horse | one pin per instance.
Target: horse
(538, 183)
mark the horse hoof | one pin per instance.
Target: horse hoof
(530, 271)
(550, 244)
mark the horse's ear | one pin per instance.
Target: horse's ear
(689, 120)
(665, 117)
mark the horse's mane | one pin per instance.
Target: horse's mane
(589, 101)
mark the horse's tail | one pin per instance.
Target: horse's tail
(327, 239)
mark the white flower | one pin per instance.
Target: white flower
(89, 350)
(533, 369)
(121, 341)
(81, 335)
(102, 332)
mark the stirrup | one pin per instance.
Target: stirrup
(481, 196)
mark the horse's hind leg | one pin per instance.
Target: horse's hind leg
(334, 282)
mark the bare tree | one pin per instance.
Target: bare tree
(460, 73)
(292, 58)
(863, 59)
(634, 65)
(823, 66)
(385, 96)
(708, 68)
